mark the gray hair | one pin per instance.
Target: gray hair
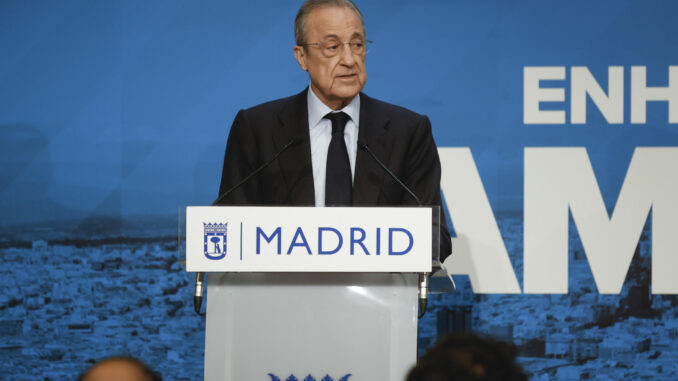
(310, 5)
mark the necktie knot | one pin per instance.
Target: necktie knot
(339, 120)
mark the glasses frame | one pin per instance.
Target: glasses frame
(368, 44)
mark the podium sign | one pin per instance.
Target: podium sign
(308, 239)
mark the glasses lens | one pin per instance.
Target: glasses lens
(357, 46)
(331, 49)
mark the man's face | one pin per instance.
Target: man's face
(335, 80)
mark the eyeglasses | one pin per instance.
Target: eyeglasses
(332, 48)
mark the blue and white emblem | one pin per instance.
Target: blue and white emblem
(292, 377)
(215, 240)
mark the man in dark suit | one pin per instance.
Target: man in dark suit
(317, 131)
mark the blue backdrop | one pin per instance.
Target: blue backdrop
(113, 114)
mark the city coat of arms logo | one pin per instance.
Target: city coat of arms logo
(215, 240)
(292, 377)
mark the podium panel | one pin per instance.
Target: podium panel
(309, 239)
(310, 326)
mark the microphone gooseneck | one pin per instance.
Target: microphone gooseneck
(423, 277)
(200, 276)
(363, 146)
(292, 142)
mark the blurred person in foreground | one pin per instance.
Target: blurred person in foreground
(120, 369)
(466, 357)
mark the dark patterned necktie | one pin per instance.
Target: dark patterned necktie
(338, 182)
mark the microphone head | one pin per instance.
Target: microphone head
(294, 142)
(362, 145)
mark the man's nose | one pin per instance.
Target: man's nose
(347, 56)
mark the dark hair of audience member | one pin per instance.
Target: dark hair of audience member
(468, 357)
(147, 373)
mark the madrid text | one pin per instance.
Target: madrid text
(387, 241)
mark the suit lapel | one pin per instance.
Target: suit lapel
(296, 164)
(372, 131)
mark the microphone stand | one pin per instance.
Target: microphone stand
(200, 276)
(423, 277)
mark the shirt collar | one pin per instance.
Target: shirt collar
(317, 109)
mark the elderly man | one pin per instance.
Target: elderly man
(323, 135)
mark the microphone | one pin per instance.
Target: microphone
(197, 295)
(200, 276)
(363, 146)
(291, 143)
(423, 277)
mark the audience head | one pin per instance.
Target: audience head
(119, 369)
(468, 357)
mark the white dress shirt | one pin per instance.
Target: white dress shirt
(320, 130)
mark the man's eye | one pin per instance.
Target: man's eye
(332, 46)
(357, 44)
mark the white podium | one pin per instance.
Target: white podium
(298, 293)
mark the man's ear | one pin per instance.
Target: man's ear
(300, 55)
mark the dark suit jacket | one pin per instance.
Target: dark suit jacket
(400, 138)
